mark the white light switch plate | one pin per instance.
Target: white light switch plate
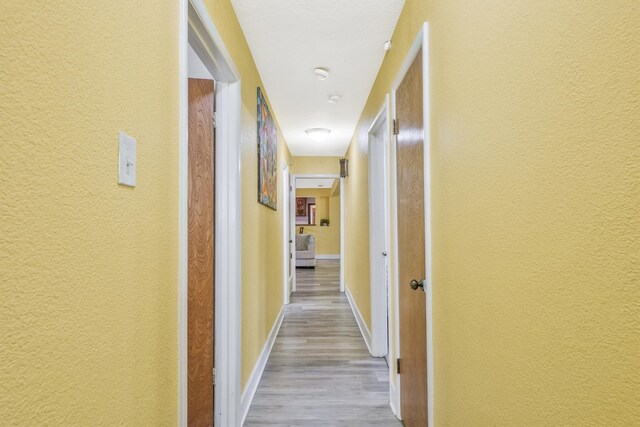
(127, 160)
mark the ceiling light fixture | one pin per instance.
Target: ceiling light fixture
(318, 134)
(334, 99)
(321, 73)
(387, 45)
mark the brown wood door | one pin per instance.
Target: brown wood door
(201, 254)
(411, 246)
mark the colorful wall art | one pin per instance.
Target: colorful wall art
(267, 156)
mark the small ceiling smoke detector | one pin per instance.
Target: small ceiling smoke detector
(334, 99)
(318, 134)
(387, 45)
(321, 73)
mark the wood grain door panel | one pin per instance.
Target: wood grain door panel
(201, 254)
(411, 246)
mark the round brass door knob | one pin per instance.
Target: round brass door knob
(415, 284)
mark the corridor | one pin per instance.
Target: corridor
(320, 372)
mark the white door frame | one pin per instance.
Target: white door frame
(380, 323)
(197, 29)
(342, 225)
(421, 42)
(286, 231)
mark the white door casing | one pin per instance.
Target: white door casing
(196, 29)
(293, 179)
(286, 233)
(379, 230)
(421, 42)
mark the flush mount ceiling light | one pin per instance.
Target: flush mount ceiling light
(321, 73)
(334, 99)
(387, 46)
(318, 134)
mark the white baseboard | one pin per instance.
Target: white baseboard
(254, 379)
(394, 400)
(363, 326)
(328, 256)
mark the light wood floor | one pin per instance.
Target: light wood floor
(320, 372)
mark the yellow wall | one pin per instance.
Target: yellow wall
(356, 212)
(536, 208)
(88, 269)
(328, 237)
(262, 262)
(319, 165)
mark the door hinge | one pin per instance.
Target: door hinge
(290, 188)
(214, 376)
(397, 366)
(395, 127)
(215, 119)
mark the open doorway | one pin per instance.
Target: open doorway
(288, 238)
(201, 248)
(316, 222)
(379, 232)
(210, 254)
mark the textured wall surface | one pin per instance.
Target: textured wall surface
(535, 151)
(311, 165)
(356, 214)
(262, 262)
(88, 269)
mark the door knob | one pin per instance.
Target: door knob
(415, 284)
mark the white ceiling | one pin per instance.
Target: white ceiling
(314, 183)
(289, 38)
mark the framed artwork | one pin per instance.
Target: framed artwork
(301, 206)
(267, 156)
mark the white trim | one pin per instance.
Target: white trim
(366, 335)
(292, 234)
(422, 42)
(394, 400)
(254, 379)
(381, 117)
(395, 287)
(343, 235)
(379, 280)
(286, 247)
(228, 254)
(334, 257)
(408, 60)
(208, 44)
(197, 29)
(427, 216)
(183, 214)
(317, 176)
(293, 178)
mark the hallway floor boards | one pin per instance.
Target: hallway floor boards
(320, 372)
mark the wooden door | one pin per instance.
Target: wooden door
(411, 246)
(201, 254)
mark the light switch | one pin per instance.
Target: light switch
(127, 160)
